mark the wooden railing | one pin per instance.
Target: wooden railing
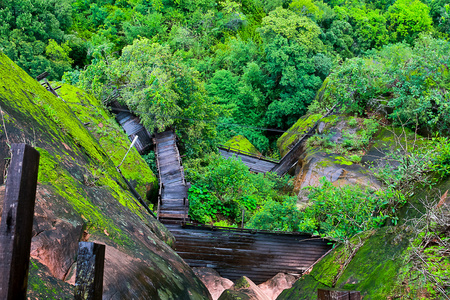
(237, 150)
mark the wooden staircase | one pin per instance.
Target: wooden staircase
(173, 205)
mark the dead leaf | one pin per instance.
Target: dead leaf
(443, 198)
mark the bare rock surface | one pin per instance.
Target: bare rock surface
(244, 288)
(213, 281)
(280, 282)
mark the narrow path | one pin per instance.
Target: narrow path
(173, 206)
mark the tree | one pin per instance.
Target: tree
(408, 18)
(292, 82)
(27, 26)
(160, 88)
(291, 26)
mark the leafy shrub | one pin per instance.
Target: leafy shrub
(226, 187)
(341, 212)
(277, 216)
(202, 207)
(150, 159)
(352, 122)
(441, 162)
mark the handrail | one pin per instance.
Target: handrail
(161, 184)
(253, 231)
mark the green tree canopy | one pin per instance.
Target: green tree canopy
(160, 88)
(408, 18)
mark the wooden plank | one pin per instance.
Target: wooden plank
(235, 253)
(90, 267)
(171, 216)
(17, 221)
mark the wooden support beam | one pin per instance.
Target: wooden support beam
(17, 221)
(333, 294)
(90, 266)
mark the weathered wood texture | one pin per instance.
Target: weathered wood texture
(17, 221)
(254, 163)
(260, 164)
(331, 294)
(258, 255)
(132, 126)
(173, 205)
(89, 276)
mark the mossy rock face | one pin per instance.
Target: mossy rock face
(110, 136)
(389, 140)
(43, 286)
(233, 295)
(81, 196)
(293, 134)
(373, 270)
(241, 143)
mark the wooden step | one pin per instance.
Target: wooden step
(173, 211)
(170, 216)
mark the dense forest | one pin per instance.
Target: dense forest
(213, 70)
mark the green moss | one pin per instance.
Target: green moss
(296, 131)
(241, 283)
(325, 272)
(342, 161)
(375, 268)
(241, 143)
(50, 172)
(43, 286)
(110, 136)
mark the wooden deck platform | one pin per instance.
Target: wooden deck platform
(256, 254)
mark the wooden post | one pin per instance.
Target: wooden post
(332, 294)
(90, 265)
(17, 221)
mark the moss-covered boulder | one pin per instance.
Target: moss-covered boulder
(82, 197)
(335, 152)
(370, 264)
(241, 143)
(293, 134)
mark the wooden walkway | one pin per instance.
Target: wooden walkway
(256, 254)
(261, 164)
(232, 252)
(257, 164)
(173, 206)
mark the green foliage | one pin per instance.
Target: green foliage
(225, 187)
(407, 19)
(289, 25)
(27, 26)
(440, 162)
(292, 81)
(411, 83)
(159, 88)
(341, 212)
(150, 159)
(277, 216)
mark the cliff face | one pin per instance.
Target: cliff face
(81, 196)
